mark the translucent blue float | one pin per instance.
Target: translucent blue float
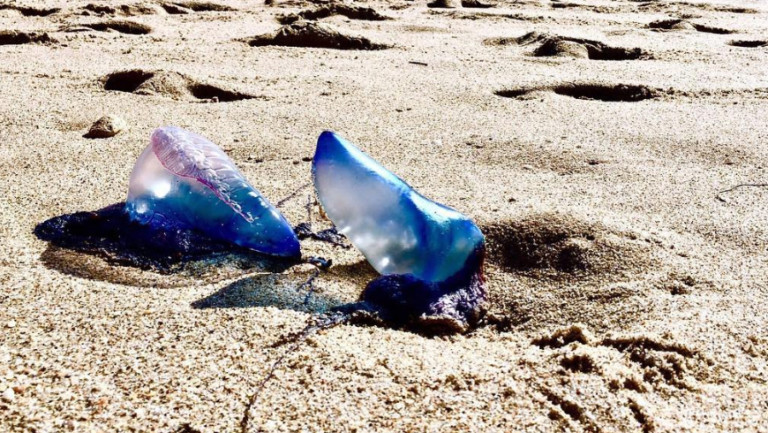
(430, 255)
(183, 181)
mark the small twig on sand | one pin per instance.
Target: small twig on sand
(292, 195)
(741, 185)
(314, 324)
(413, 62)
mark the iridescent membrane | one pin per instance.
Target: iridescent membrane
(183, 181)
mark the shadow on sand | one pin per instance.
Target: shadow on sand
(105, 244)
(288, 292)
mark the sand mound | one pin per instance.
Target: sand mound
(170, 84)
(127, 27)
(174, 9)
(557, 47)
(349, 11)
(586, 49)
(444, 4)
(564, 46)
(554, 270)
(17, 38)
(313, 35)
(560, 244)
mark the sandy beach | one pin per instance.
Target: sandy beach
(613, 152)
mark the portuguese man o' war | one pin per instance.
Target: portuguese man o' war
(183, 181)
(430, 256)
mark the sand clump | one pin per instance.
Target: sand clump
(106, 127)
(174, 9)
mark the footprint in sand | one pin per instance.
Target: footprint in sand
(169, 84)
(31, 11)
(172, 8)
(477, 4)
(350, 11)
(632, 365)
(12, 37)
(587, 7)
(720, 8)
(127, 27)
(462, 15)
(749, 43)
(130, 10)
(202, 6)
(589, 91)
(682, 7)
(679, 24)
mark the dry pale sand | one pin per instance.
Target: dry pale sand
(624, 294)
